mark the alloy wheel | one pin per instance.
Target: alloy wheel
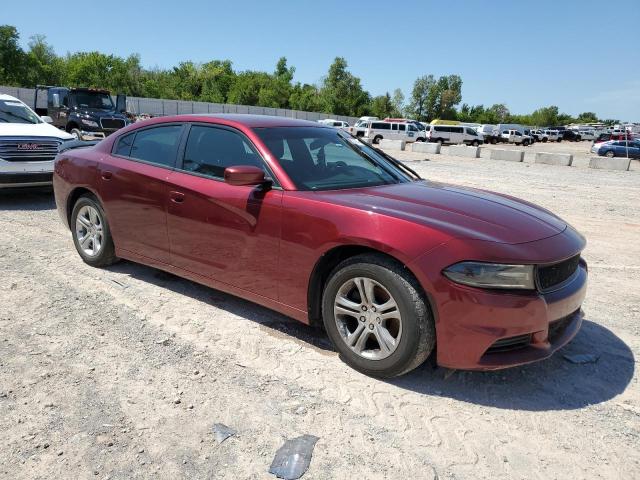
(89, 230)
(368, 318)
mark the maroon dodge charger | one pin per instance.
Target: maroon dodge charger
(309, 221)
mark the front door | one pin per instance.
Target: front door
(228, 233)
(133, 185)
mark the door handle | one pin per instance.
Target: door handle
(176, 197)
(107, 175)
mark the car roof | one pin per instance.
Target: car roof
(245, 119)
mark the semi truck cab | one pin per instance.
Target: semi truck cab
(86, 113)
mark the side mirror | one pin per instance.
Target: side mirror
(244, 175)
(47, 119)
(121, 103)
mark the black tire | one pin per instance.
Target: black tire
(377, 139)
(106, 255)
(559, 140)
(525, 143)
(493, 140)
(475, 143)
(544, 139)
(76, 133)
(439, 141)
(610, 154)
(418, 337)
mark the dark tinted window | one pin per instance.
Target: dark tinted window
(457, 130)
(124, 145)
(210, 150)
(381, 125)
(402, 127)
(470, 131)
(157, 145)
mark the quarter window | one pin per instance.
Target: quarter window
(210, 150)
(156, 145)
(124, 145)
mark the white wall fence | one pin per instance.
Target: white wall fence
(161, 107)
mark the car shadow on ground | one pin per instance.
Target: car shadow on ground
(33, 199)
(274, 322)
(553, 384)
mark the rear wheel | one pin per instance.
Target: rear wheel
(475, 143)
(377, 139)
(376, 317)
(610, 154)
(525, 143)
(91, 234)
(493, 140)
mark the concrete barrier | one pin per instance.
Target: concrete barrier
(508, 155)
(606, 163)
(464, 151)
(422, 147)
(392, 144)
(562, 159)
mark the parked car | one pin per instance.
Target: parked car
(606, 137)
(617, 148)
(587, 135)
(28, 145)
(86, 113)
(517, 137)
(360, 127)
(553, 135)
(407, 131)
(335, 123)
(454, 134)
(357, 241)
(539, 136)
(567, 134)
(490, 133)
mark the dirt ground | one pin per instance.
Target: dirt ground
(121, 373)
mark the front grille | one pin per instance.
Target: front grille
(550, 276)
(28, 150)
(510, 343)
(112, 123)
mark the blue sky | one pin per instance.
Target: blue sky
(578, 55)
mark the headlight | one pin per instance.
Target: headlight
(492, 275)
(89, 123)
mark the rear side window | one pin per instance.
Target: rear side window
(124, 145)
(381, 126)
(157, 145)
(210, 150)
(457, 130)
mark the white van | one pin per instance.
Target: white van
(330, 122)
(407, 131)
(454, 134)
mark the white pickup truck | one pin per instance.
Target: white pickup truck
(516, 136)
(28, 145)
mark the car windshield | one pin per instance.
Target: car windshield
(12, 111)
(317, 158)
(98, 100)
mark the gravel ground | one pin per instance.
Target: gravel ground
(121, 373)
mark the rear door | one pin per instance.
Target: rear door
(133, 185)
(228, 233)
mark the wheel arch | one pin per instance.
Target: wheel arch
(329, 260)
(73, 197)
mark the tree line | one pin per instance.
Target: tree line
(339, 92)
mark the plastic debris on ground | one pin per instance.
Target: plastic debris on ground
(293, 458)
(221, 432)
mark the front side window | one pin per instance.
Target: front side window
(325, 159)
(210, 150)
(14, 111)
(157, 145)
(402, 127)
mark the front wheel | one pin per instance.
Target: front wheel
(610, 154)
(76, 133)
(377, 139)
(475, 143)
(91, 233)
(376, 316)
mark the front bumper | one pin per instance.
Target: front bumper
(481, 329)
(87, 135)
(25, 174)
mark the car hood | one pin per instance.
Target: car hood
(459, 211)
(99, 113)
(32, 130)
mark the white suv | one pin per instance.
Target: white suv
(516, 136)
(28, 145)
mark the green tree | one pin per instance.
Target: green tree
(382, 106)
(341, 92)
(44, 66)
(448, 91)
(587, 117)
(397, 100)
(12, 57)
(305, 97)
(422, 100)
